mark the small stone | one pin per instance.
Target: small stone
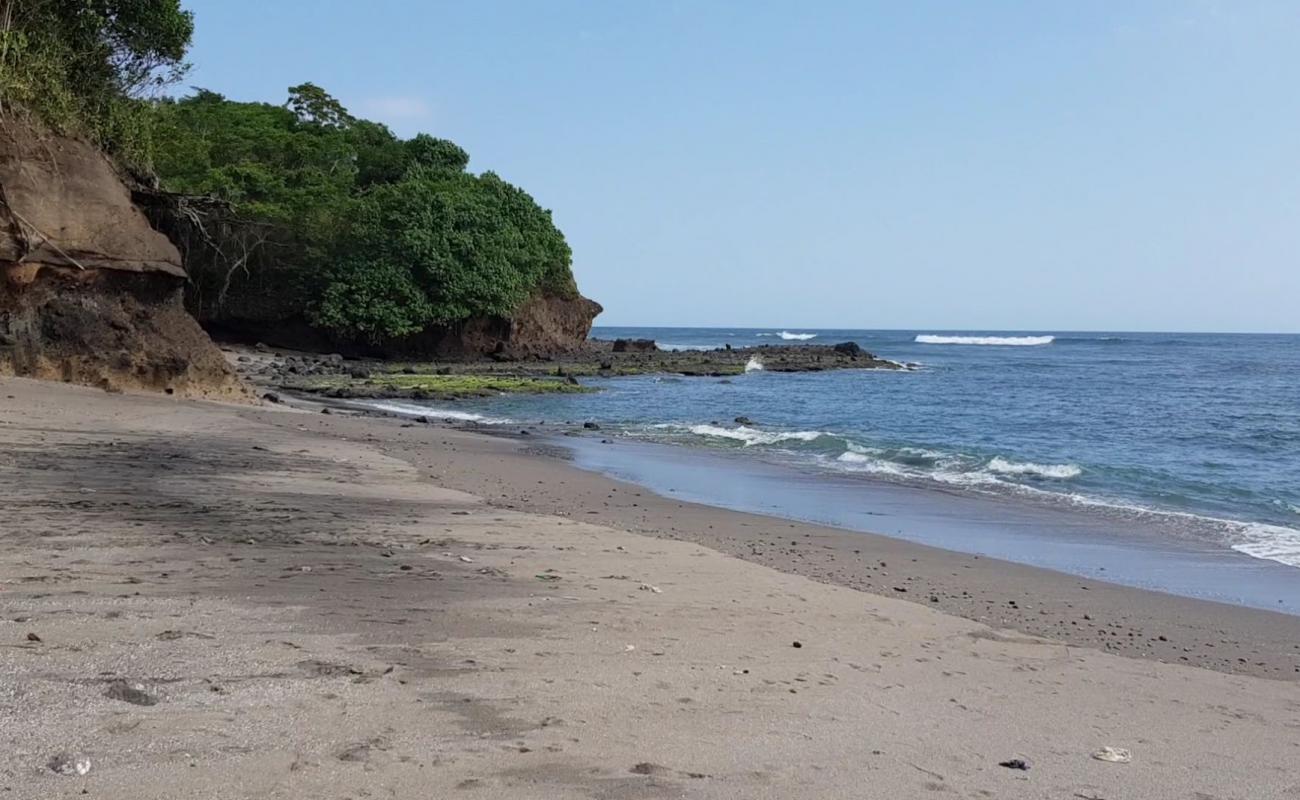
(135, 695)
(69, 764)
(1015, 763)
(32, 637)
(797, 645)
(271, 397)
(591, 426)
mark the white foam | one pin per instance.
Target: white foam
(1056, 471)
(791, 337)
(413, 410)
(859, 462)
(752, 436)
(1023, 341)
(753, 364)
(1272, 542)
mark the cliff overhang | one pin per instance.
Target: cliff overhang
(89, 292)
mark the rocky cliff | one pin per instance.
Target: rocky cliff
(89, 292)
(544, 326)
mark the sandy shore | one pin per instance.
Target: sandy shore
(318, 606)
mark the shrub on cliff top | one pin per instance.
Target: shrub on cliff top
(437, 247)
(361, 233)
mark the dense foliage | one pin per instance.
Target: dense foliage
(373, 236)
(283, 211)
(83, 65)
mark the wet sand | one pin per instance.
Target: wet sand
(322, 606)
(523, 473)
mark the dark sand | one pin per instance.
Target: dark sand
(519, 473)
(205, 601)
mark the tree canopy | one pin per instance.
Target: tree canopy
(83, 65)
(364, 234)
(307, 212)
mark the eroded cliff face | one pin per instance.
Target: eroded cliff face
(544, 326)
(89, 292)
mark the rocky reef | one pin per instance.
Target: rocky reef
(89, 292)
(335, 376)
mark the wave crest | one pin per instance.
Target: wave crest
(751, 436)
(791, 337)
(1004, 341)
(1272, 542)
(1055, 471)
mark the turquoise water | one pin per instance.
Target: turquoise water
(1199, 433)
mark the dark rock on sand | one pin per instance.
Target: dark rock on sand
(135, 695)
(68, 764)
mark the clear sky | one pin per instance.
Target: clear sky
(993, 165)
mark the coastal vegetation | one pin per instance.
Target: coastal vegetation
(296, 210)
(374, 236)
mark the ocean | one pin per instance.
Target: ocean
(1195, 437)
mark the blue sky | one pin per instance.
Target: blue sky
(994, 165)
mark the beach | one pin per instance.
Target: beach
(285, 603)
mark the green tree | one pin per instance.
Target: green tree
(312, 104)
(369, 236)
(82, 65)
(468, 245)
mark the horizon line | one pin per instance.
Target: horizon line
(1040, 331)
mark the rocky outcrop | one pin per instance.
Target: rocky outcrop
(89, 292)
(543, 327)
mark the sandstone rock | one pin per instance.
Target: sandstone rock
(89, 292)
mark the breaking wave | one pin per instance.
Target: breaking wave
(791, 337)
(1022, 341)
(1273, 542)
(751, 436)
(1056, 471)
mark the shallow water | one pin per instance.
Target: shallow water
(1194, 436)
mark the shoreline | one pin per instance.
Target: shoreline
(229, 602)
(1080, 611)
(1148, 551)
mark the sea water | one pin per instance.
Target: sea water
(1196, 434)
